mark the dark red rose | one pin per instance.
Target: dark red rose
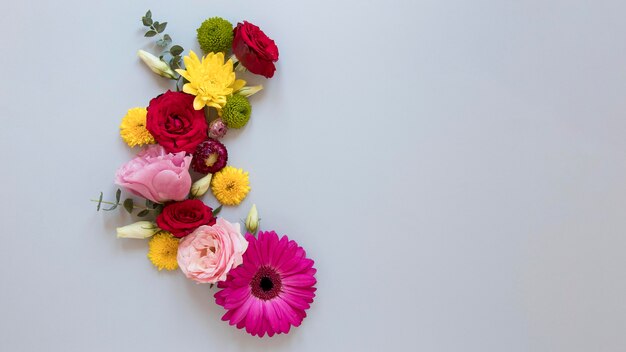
(181, 218)
(254, 50)
(174, 123)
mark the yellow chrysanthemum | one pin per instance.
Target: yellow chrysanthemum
(210, 80)
(163, 251)
(230, 185)
(133, 128)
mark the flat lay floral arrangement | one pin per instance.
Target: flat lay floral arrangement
(264, 280)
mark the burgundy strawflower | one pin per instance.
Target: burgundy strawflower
(210, 157)
(271, 290)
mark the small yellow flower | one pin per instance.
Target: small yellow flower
(133, 128)
(163, 251)
(230, 185)
(210, 80)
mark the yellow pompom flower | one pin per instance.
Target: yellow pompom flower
(163, 251)
(230, 185)
(133, 128)
(210, 80)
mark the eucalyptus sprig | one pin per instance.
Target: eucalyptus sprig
(129, 205)
(156, 27)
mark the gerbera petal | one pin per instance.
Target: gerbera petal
(236, 298)
(242, 311)
(299, 280)
(270, 314)
(306, 295)
(271, 244)
(296, 257)
(301, 267)
(295, 301)
(278, 251)
(255, 317)
(288, 312)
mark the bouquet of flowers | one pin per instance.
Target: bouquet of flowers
(265, 281)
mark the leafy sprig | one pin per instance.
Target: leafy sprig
(156, 27)
(129, 205)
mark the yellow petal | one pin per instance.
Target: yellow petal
(187, 88)
(184, 74)
(198, 103)
(239, 83)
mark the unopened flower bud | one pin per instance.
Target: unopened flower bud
(249, 90)
(157, 65)
(200, 187)
(140, 229)
(252, 221)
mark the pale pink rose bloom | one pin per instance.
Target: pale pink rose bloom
(207, 254)
(156, 175)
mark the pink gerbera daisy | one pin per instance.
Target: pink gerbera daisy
(271, 290)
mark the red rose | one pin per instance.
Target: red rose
(181, 218)
(254, 50)
(174, 123)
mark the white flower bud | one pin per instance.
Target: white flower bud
(140, 229)
(252, 221)
(200, 187)
(249, 90)
(157, 65)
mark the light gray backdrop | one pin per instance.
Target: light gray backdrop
(457, 169)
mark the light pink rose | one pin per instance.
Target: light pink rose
(207, 254)
(156, 175)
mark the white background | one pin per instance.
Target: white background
(457, 169)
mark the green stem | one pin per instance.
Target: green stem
(118, 204)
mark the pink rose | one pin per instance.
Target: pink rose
(156, 175)
(207, 254)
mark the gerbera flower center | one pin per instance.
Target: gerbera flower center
(266, 283)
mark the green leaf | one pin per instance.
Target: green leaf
(118, 194)
(147, 21)
(143, 213)
(149, 14)
(175, 62)
(217, 210)
(176, 50)
(167, 38)
(160, 27)
(158, 209)
(162, 43)
(150, 33)
(128, 205)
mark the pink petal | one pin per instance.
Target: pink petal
(300, 280)
(303, 265)
(241, 312)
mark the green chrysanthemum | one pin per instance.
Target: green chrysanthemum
(215, 35)
(236, 112)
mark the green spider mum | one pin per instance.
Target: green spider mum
(215, 35)
(236, 112)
